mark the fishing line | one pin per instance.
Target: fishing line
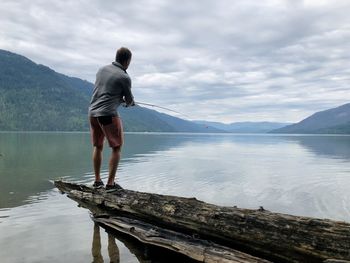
(160, 107)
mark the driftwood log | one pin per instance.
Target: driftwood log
(210, 233)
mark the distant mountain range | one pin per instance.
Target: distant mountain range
(34, 97)
(332, 121)
(140, 119)
(245, 127)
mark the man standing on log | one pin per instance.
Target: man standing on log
(112, 88)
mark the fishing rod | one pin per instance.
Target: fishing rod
(160, 107)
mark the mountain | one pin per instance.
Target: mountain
(142, 119)
(336, 120)
(245, 127)
(34, 97)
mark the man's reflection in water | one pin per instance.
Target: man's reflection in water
(143, 253)
(113, 250)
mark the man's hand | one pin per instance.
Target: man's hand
(125, 104)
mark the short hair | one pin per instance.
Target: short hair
(123, 55)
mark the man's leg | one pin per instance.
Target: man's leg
(97, 160)
(114, 135)
(97, 138)
(113, 164)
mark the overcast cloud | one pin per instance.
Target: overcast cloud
(215, 60)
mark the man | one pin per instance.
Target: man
(112, 88)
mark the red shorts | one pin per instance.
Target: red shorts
(106, 126)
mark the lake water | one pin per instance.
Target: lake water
(300, 175)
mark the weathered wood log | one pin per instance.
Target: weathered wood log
(279, 237)
(190, 246)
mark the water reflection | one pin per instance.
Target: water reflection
(301, 175)
(281, 172)
(113, 251)
(336, 147)
(29, 160)
(142, 252)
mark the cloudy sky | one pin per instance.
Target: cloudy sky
(215, 60)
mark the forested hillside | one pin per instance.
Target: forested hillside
(34, 97)
(336, 120)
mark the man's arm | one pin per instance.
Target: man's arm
(128, 97)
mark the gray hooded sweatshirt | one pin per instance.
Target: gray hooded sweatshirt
(112, 86)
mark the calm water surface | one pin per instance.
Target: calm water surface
(300, 175)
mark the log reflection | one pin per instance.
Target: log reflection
(143, 252)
